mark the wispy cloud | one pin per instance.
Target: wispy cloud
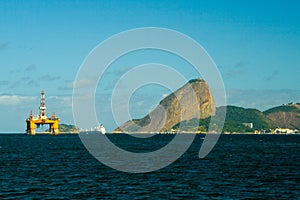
(31, 82)
(60, 100)
(22, 69)
(66, 86)
(15, 99)
(14, 84)
(54, 102)
(120, 71)
(237, 70)
(27, 80)
(49, 78)
(83, 83)
(273, 75)
(241, 64)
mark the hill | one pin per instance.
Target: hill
(285, 116)
(170, 116)
(65, 128)
(242, 117)
(176, 107)
(238, 119)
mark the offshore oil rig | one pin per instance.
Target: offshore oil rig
(41, 119)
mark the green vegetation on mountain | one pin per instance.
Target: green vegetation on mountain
(241, 115)
(189, 125)
(66, 128)
(236, 117)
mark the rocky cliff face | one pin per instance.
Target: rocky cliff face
(286, 116)
(193, 100)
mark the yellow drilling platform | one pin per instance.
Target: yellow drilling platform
(41, 119)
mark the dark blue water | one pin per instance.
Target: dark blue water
(239, 167)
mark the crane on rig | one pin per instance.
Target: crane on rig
(35, 121)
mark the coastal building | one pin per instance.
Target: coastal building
(285, 130)
(250, 125)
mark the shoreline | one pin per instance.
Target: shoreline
(77, 133)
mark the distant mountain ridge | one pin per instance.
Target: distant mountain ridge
(243, 120)
(169, 116)
(287, 116)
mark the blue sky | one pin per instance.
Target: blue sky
(255, 44)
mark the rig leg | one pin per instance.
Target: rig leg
(30, 128)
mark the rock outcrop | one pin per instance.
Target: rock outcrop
(193, 100)
(285, 116)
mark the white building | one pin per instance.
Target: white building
(285, 130)
(250, 125)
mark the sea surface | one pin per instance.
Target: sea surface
(239, 167)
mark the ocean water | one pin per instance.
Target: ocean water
(239, 167)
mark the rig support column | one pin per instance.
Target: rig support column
(30, 127)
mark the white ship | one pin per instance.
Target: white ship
(100, 129)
